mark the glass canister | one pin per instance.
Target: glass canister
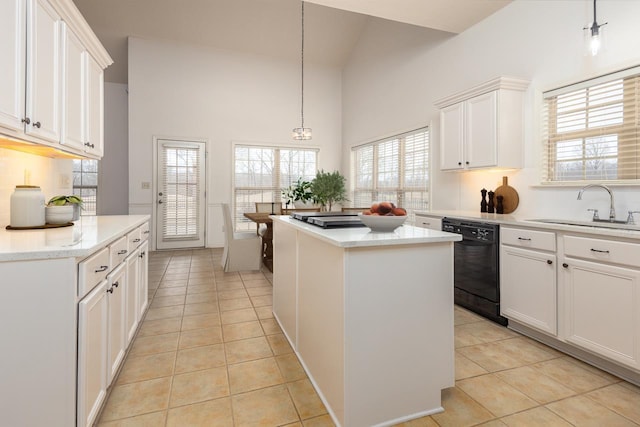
(27, 206)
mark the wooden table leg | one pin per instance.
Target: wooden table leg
(267, 247)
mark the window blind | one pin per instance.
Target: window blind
(394, 169)
(181, 184)
(591, 130)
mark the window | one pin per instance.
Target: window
(85, 184)
(591, 129)
(262, 171)
(394, 169)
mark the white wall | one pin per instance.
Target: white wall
(113, 194)
(397, 73)
(222, 97)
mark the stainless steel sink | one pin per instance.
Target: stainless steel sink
(600, 224)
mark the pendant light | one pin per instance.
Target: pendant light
(593, 34)
(302, 133)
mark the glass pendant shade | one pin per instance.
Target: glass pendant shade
(594, 35)
(302, 134)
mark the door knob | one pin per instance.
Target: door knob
(26, 120)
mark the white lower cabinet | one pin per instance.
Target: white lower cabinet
(131, 307)
(92, 353)
(117, 340)
(143, 279)
(428, 221)
(602, 309)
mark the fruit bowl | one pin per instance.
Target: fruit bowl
(382, 223)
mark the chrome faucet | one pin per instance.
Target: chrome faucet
(612, 210)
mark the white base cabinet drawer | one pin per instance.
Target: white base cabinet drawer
(430, 222)
(530, 239)
(601, 250)
(92, 270)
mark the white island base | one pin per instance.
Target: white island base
(370, 317)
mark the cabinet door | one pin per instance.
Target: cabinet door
(452, 137)
(143, 283)
(94, 102)
(528, 291)
(116, 298)
(12, 65)
(73, 132)
(92, 354)
(481, 144)
(132, 291)
(43, 101)
(602, 304)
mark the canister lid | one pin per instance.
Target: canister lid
(27, 186)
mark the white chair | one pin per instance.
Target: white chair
(242, 251)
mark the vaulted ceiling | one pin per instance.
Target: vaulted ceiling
(267, 27)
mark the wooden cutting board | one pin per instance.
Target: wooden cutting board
(510, 196)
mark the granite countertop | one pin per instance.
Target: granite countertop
(87, 235)
(625, 231)
(354, 237)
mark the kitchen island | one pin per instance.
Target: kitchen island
(369, 315)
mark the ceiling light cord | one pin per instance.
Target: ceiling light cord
(302, 71)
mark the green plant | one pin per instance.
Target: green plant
(65, 200)
(298, 191)
(329, 188)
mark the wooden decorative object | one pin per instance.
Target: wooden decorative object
(509, 195)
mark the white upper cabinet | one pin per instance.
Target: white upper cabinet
(94, 143)
(74, 91)
(483, 127)
(12, 67)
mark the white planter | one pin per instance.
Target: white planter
(59, 214)
(298, 204)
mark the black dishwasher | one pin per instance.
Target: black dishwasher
(477, 267)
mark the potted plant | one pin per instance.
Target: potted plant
(299, 193)
(75, 201)
(329, 188)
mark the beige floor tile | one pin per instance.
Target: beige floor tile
(200, 289)
(234, 304)
(619, 399)
(480, 332)
(249, 349)
(167, 292)
(159, 301)
(496, 395)
(213, 413)
(154, 344)
(253, 375)
(262, 300)
(172, 283)
(460, 410)
(266, 407)
(202, 298)
(262, 290)
(200, 321)
(539, 416)
(240, 331)
(298, 424)
(535, 385)
(203, 265)
(251, 275)
(146, 420)
(490, 357)
(584, 412)
(238, 316)
(232, 294)
(229, 286)
(279, 344)
(462, 316)
(175, 276)
(571, 375)
(164, 312)
(493, 423)
(419, 422)
(200, 337)
(526, 350)
(270, 326)
(138, 398)
(147, 367)
(200, 308)
(264, 312)
(222, 277)
(321, 421)
(160, 326)
(306, 399)
(630, 386)
(465, 368)
(201, 274)
(290, 367)
(257, 283)
(198, 386)
(199, 358)
(201, 281)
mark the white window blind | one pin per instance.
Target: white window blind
(394, 169)
(181, 168)
(260, 172)
(591, 130)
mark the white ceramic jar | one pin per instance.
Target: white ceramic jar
(27, 206)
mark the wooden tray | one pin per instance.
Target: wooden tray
(40, 227)
(510, 198)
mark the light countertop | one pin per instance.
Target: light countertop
(625, 231)
(354, 237)
(86, 236)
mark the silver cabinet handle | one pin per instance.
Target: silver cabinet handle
(102, 268)
(88, 144)
(136, 240)
(122, 252)
(146, 232)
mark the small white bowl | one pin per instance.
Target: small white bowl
(382, 223)
(59, 214)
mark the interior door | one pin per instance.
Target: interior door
(180, 197)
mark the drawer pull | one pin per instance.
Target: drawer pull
(115, 285)
(101, 269)
(122, 252)
(524, 238)
(565, 265)
(146, 232)
(136, 240)
(599, 251)
(549, 262)
(110, 290)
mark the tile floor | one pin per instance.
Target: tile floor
(209, 353)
